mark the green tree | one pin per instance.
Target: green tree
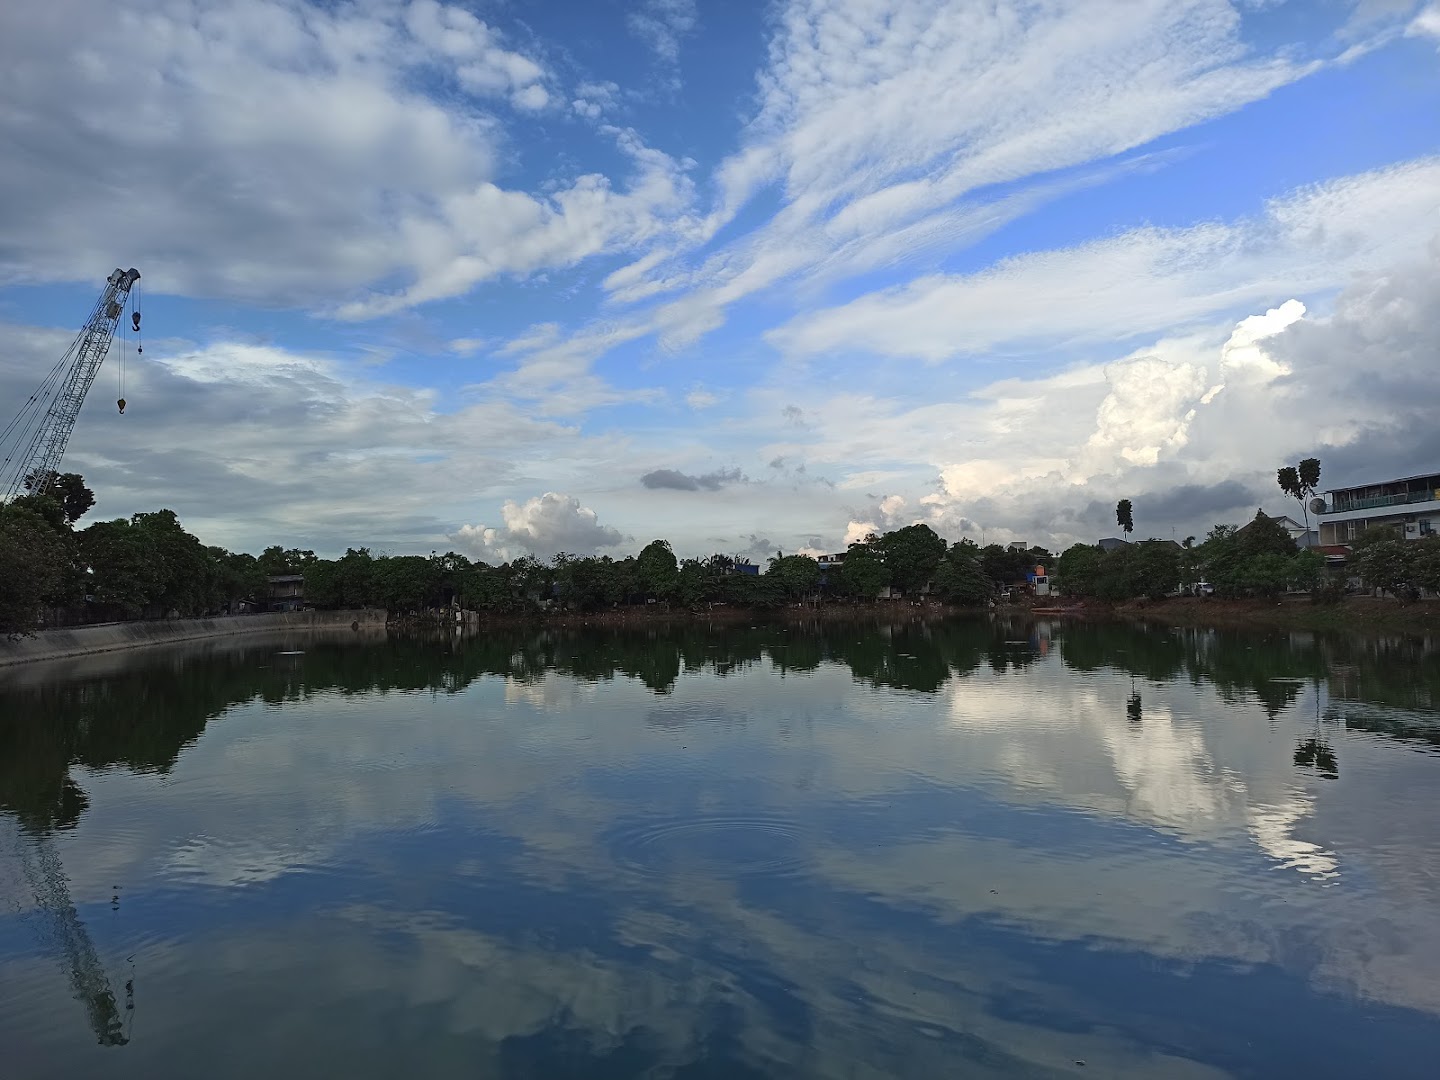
(407, 583)
(1079, 569)
(959, 578)
(1155, 569)
(1384, 560)
(1125, 516)
(75, 498)
(1264, 536)
(277, 561)
(1300, 482)
(237, 576)
(656, 569)
(692, 583)
(33, 559)
(121, 569)
(911, 556)
(797, 575)
(183, 570)
(322, 584)
(1307, 570)
(1266, 574)
(1425, 563)
(863, 572)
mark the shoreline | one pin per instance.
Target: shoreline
(64, 643)
(1355, 614)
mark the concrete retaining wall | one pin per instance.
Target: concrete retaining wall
(107, 637)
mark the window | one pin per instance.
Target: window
(1349, 530)
(1427, 527)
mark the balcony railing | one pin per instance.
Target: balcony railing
(1401, 499)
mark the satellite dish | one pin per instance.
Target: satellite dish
(1317, 505)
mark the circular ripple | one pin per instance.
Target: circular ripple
(712, 847)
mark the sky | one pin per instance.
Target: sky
(509, 279)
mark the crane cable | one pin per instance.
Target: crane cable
(133, 302)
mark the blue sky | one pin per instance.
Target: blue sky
(514, 278)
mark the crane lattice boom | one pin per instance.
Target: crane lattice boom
(35, 440)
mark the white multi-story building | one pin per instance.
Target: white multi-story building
(1411, 505)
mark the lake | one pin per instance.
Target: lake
(959, 848)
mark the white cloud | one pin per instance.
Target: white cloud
(1426, 23)
(1148, 280)
(280, 152)
(661, 24)
(700, 398)
(881, 149)
(253, 444)
(541, 526)
(1190, 427)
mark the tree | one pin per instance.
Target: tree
(1155, 569)
(121, 568)
(959, 578)
(1264, 536)
(911, 555)
(1266, 574)
(277, 561)
(184, 578)
(75, 498)
(1079, 569)
(32, 564)
(656, 569)
(863, 572)
(1425, 563)
(1125, 516)
(1300, 482)
(1307, 570)
(1384, 560)
(797, 575)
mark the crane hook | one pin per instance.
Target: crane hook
(135, 320)
(121, 403)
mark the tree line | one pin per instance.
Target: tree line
(1260, 559)
(149, 566)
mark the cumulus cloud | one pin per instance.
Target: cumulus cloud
(541, 526)
(280, 152)
(675, 480)
(252, 444)
(1190, 427)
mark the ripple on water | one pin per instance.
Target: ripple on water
(719, 846)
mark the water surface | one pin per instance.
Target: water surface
(957, 849)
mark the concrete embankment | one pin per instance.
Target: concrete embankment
(107, 637)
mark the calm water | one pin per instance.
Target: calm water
(967, 849)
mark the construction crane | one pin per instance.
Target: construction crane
(63, 930)
(32, 444)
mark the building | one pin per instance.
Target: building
(1112, 543)
(1411, 505)
(1038, 580)
(286, 592)
(1304, 538)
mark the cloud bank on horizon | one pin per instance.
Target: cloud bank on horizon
(515, 281)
